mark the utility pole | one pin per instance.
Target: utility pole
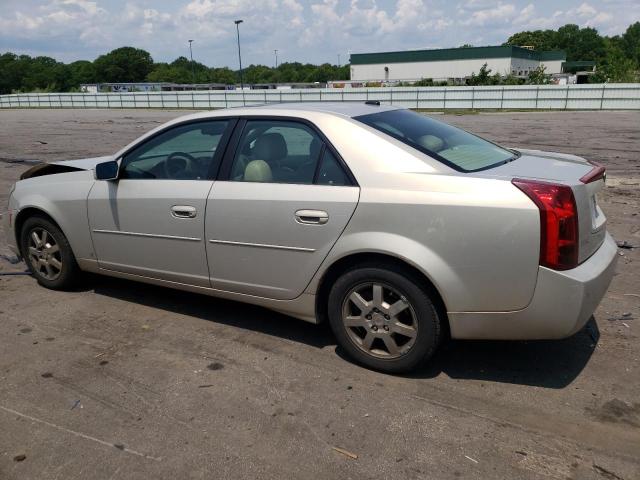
(338, 59)
(276, 52)
(193, 68)
(238, 22)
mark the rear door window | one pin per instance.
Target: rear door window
(277, 151)
(452, 146)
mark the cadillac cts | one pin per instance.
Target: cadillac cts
(398, 229)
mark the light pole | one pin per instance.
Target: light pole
(338, 59)
(276, 52)
(193, 68)
(238, 22)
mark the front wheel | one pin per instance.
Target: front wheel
(384, 319)
(48, 254)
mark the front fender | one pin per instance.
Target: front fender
(64, 198)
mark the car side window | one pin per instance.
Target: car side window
(184, 152)
(274, 151)
(331, 172)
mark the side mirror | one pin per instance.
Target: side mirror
(107, 170)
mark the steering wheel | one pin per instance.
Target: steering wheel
(180, 164)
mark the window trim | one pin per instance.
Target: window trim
(220, 149)
(224, 172)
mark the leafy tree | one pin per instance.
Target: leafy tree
(538, 77)
(581, 43)
(617, 66)
(538, 39)
(424, 82)
(12, 69)
(630, 43)
(125, 64)
(511, 80)
(223, 75)
(482, 78)
(578, 43)
(81, 72)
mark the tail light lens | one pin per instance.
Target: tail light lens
(558, 222)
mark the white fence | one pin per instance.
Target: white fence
(543, 97)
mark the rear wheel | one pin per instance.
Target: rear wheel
(383, 319)
(48, 254)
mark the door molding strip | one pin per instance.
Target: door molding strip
(149, 235)
(263, 245)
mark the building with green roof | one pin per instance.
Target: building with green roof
(452, 63)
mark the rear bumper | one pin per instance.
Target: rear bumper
(562, 303)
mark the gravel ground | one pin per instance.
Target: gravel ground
(124, 380)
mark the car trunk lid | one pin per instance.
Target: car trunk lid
(584, 178)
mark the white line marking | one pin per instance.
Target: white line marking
(78, 434)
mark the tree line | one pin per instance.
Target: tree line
(617, 59)
(22, 73)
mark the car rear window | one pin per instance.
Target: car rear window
(450, 145)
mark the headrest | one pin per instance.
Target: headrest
(431, 142)
(270, 147)
(257, 171)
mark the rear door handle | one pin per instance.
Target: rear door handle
(183, 211)
(312, 217)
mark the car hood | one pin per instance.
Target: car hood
(83, 163)
(63, 166)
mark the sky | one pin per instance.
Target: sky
(314, 31)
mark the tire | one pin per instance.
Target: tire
(48, 254)
(392, 308)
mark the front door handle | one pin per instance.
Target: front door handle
(183, 211)
(312, 217)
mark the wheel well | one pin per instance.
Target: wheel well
(375, 260)
(22, 217)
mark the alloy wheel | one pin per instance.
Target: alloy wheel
(379, 320)
(44, 254)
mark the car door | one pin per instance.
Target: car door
(150, 221)
(281, 202)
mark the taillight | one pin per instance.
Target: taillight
(558, 222)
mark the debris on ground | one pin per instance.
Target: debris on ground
(346, 453)
(606, 473)
(12, 259)
(19, 458)
(626, 245)
(472, 459)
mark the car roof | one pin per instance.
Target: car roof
(293, 109)
(348, 109)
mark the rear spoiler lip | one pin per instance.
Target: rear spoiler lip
(598, 172)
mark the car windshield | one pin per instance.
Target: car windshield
(450, 145)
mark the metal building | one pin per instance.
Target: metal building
(452, 63)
